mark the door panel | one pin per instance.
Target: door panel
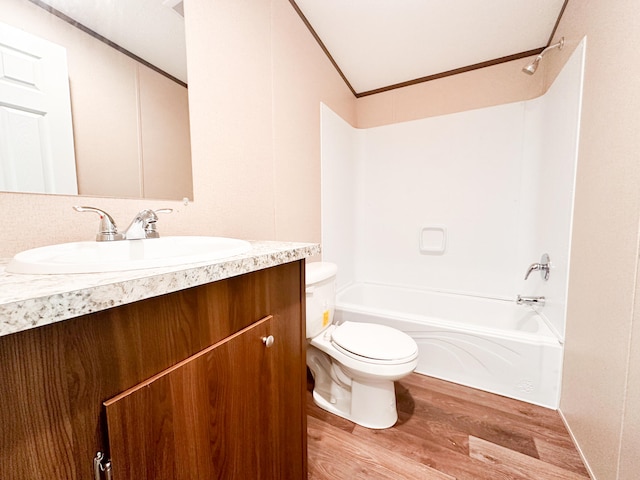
(217, 415)
(36, 137)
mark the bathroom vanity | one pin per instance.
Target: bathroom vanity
(181, 373)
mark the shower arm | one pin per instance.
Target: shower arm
(557, 45)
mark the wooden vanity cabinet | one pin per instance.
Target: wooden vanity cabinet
(191, 390)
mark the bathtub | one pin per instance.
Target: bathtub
(493, 345)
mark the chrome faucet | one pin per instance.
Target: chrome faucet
(532, 301)
(544, 267)
(143, 225)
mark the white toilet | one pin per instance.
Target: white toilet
(353, 364)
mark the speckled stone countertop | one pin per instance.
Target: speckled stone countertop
(29, 301)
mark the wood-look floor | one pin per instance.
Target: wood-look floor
(445, 431)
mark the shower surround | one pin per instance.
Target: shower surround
(460, 205)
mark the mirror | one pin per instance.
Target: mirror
(122, 127)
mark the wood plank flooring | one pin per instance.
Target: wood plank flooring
(445, 432)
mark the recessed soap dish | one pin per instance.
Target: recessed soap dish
(433, 240)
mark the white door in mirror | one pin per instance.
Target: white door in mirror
(36, 137)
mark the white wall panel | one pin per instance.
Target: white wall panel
(460, 171)
(551, 156)
(340, 180)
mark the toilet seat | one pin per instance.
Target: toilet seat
(374, 343)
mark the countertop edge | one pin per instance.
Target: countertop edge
(55, 298)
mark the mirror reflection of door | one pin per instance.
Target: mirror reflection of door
(129, 105)
(36, 136)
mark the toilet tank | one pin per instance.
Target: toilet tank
(320, 296)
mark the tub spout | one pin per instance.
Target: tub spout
(532, 301)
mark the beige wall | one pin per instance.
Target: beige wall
(256, 82)
(164, 136)
(600, 391)
(480, 88)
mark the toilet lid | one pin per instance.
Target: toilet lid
(374, 341)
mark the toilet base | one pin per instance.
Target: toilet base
(371, 404)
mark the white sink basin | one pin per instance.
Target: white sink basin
(95, 257)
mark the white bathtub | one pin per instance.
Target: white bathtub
(493, 345)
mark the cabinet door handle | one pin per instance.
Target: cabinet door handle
(268, 341)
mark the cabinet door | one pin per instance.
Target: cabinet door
(230, 411)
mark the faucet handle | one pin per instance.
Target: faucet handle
(544, 267)
(532, 268)
(108, 230)
(163, 210)
(150, 225)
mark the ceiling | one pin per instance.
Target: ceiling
(375, 44)
(382, 44)
(150, 29)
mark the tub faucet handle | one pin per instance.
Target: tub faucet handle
(543, 267)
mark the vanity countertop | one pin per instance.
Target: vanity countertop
(30, 301)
